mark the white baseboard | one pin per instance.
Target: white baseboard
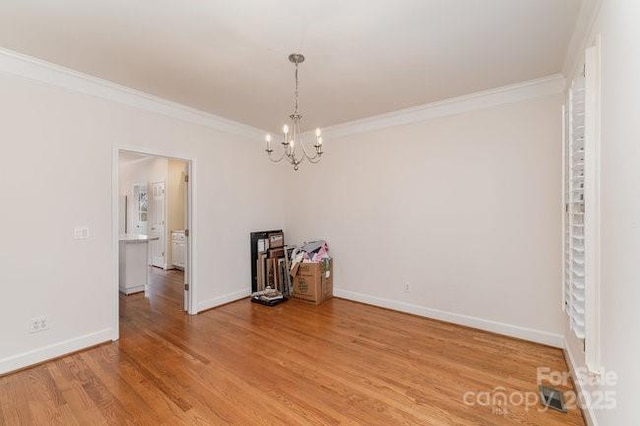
(130, 290)
(589, 415)
(227, 298)
(55, 350)
(537, 336)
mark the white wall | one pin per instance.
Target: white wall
(464, 208)
(621, 205)
(56, 170)
(620, 211)
(617, 24)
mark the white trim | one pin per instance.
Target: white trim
(54, 350)
(131, 290)
(546, 86)
(221, 300)
(592, 237)
(190, 266)
(115, 246)
(589, 415)
(529, 334)
(565, 212)
(24, 66)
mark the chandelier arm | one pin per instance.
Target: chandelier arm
(306, 154)
(315, 160)
(279, 159)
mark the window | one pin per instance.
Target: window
(581, 229)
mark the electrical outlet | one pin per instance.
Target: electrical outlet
(407, 287)
(38, 324)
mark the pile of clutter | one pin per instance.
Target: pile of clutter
(310, 266)
(268, 296)
(313, 251)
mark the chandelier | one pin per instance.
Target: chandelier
(294, 141)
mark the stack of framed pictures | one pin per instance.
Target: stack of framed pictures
(269, 263)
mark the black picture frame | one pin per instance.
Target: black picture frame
(254, 238)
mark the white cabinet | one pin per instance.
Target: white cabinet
(178, 248)
(133, 263)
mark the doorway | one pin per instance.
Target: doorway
(152, 198)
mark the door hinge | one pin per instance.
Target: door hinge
(186, 287)
(186, 178)
(186, 232)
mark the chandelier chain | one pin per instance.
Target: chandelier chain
(296, 103)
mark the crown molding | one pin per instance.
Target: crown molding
(531, 89)
(34, 69)
(582, 34)
(31, 68)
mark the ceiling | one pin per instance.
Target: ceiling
(364, 57)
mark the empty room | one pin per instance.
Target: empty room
(359, 212)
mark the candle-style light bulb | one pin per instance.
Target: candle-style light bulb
(320, 141)
(285, 129)
(268, 141)
(318, 132)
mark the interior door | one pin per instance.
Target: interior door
(140, 209)
(157, 224)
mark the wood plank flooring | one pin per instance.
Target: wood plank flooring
(294, 364)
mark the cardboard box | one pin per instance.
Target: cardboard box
(314, 282)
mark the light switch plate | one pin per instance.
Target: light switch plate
(80, 233)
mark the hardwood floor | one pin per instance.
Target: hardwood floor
(242, 363)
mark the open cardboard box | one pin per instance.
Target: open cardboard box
(313, 281)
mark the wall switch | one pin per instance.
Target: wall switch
(38, 324)
(80, 233)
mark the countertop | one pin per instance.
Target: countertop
(130, 238)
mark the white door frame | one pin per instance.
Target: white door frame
(191, 224)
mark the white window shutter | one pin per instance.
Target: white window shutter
(581, 237)
(574, 285)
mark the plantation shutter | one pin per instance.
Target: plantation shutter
(574, 244)
(581, 191)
